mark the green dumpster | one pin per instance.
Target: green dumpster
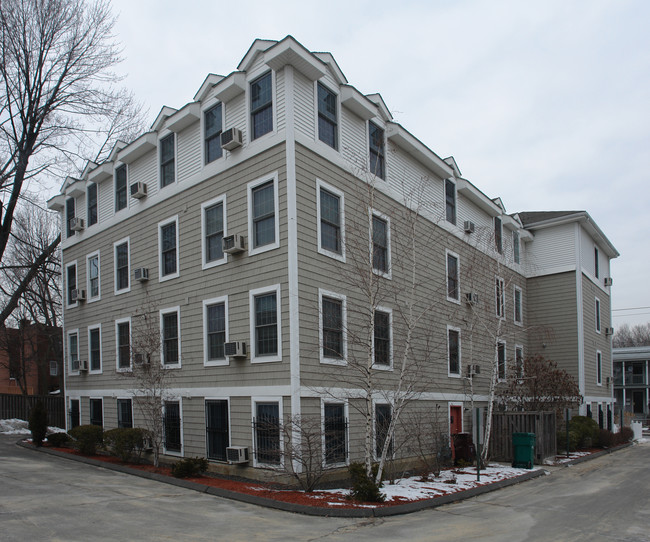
(523, 447)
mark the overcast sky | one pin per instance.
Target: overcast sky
(545, 104)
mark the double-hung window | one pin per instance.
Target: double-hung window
(383, 418)
(215, 318)
(261, 106)
(265, 324)
(121, 194)
(92, 268)
(330, 222)
(168, 243)
(213, 225)
(170, 334)
(263, 215)
(73, 350)
(167, 160)
(122, 264)
(96, 412)
(382, 339)
(69, 216)
(124, 413)
(380, 245)
(453, 351)
(95, 349)
(518, 306)
(332, 317)
(597, 315)
(327, 116)
(213, 127)
(71, 284)
(453, 283)
(516, 247)
(123, 340)
(377, 151)
(335, 428)
(450, 201)
(498, 235)
(91, 199)
(501, 360)
(499, 297)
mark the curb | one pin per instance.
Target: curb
(384, 511)
(595, 455)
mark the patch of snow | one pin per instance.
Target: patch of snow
(14, 426)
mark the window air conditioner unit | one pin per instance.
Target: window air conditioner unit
(235, 349)
(141, 274)
(75, 364)
(139, 190)
(76, 224)
(231, 139)
(608, 380)
(609, 281)
(469, 226)
(83, 365)
(78, 295)
(140, 359)
(471, 298)
(473, 369)
(234, 244)
(237, 454)
(609, 331)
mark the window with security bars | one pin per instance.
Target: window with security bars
(172, 425)
(377, 151)
(216, 429)
(332, 314)
(335, 426)
(168, 253)
(327, 116)
(121, 194)
(96, 414)
(266, 325)
(124, 413)
(213, 217)
(382, 338)
(216, 330)
(330, 221)
(266, 426)
(383, 417)
(263, 214)
(170, 338)
(213, 126)
(167, 161)
(379, 244)
(261, 106)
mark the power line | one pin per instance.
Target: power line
(631, 309)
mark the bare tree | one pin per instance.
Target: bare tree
(626, 335)
(427, 438)
(58, 103)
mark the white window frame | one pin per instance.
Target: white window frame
(161, 225)
(460, 366)
(67, 285)
(386, 274)
(381, 367)
(317, 138)
(249, 111)
(117, 409)
(207, 303)
(68, 363)
(252, 294)
(205, 264)
(128, 199)
(449, 253)
(599, 368)
(505, 360)
(343, 300)
(376, 402)
(252, 250)
(516, 247)
(444, 190)
(126, 240)
(162, 136)
(266, 399)
(598, 324)
(521, 306)
(178, 400)
(499, 301)
(519, 348)
(119, 369)
(206, 107)
(99, 277)
(100, 398)
(101, 359)
(321, 185)
(346, 415)
(161, 313)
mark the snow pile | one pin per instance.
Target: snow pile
(15, 426)
(560, 459)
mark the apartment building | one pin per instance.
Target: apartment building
(284, 234)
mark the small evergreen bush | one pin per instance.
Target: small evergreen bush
(58, 439)
(561, 440)
(38, 423)
(87, 438)
(125, 442)
(363, 488)
(190, 467)
(586, 431)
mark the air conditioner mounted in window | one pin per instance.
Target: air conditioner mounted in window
(609, 281)
(138, 190)
(140, 359)
(471, 298)
(76, 224)
(609, 331)
(83, 365)
(78, 295)
(235, 349)
(473, 369)
(231, 139)
(234, 244)
(141, 274)
(469, 226)
(237, 454)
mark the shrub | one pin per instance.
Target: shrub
(561, 440)
(125, 442)
(624, 435)
(606, 439)
(586, 431)
(87, 438)
(364, 488)
(190, 467)
(38, 423)
(58, 439)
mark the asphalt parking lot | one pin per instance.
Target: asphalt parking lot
(49, 498)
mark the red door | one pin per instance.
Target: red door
(455, 425)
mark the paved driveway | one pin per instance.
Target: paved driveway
(49, 498)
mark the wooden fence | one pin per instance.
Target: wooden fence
(19, 406)
(504, 424)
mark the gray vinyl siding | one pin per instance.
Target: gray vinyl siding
(553, 319)
(596, 341)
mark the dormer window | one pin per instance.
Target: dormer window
(213, 127)
(327, 116)
(120, 188)
(91, 197)
(261, 106)
(69, 216)
(167, 161)
(377, 150)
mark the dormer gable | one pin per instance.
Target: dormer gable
(383, 108)
(333, 67)
(210, 81)
(165, 112)
(90, 165)
(258, 47)
(451, 161)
